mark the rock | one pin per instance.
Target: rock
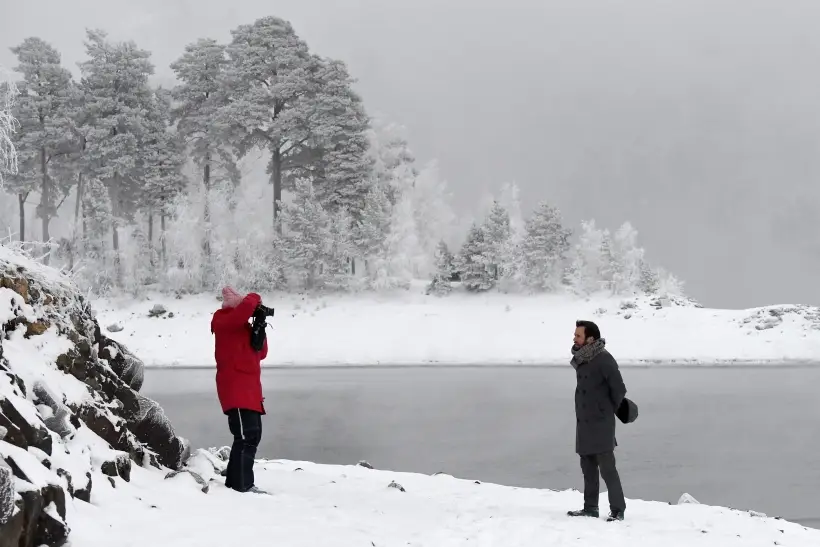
(17, 284)
(12, 531)
(114, 327)
(120, 466)
(157, 310)
(43, 523)
(76, 490)
(364, 464)
(223, 453)
(37, 328)
(125, 364)
(35, 435)
(153, 428)
(58, 421)
(7, 494)
(397, 486)
(204, 487)
(687, 499)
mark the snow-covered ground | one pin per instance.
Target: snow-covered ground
(353, 506)
(412, 328)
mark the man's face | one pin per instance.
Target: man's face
(580, 337)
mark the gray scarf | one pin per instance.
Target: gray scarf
(586, 353)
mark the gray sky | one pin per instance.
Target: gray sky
(698, 120)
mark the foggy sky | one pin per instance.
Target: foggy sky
(697, 120)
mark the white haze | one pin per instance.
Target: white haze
(697, 120)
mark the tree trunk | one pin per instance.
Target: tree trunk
(151, 260)
(114, 194)
(206, 216)
(21, 200)
(276, 179)
(75, 234)
(162, 239)
(45, 202)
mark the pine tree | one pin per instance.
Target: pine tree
(301, 109)
(544, 248)
(8, 126)
(305, 226)
(434, 217)
(583, 274)
(393, 163)
(609, 269)
(199, 97)
(649, 281)
(338, 252)
(402, 245)
(630, 259)
(372, 228)
(44, 137)
(117, 103)
(441, 285)
(497, 252)
(475, 276)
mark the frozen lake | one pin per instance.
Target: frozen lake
(746, 437)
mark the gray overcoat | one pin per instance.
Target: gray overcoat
(598, 394)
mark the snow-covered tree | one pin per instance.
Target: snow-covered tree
(435, 218)
(544, 248)
(117, 104)
(393, 163)
(669, 284)
(649, 280)
(162, 180)
(8, 126)
(497, 251)
(338, 252)
(609, 269)
(202, 92)
(471, 263)
(583, 274)
(510, 200)
(304, 236)
(301, 109)
(373, 227)
(44, 140)
(440, 285)
(630, 258)
(403, 250)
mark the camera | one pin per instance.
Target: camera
(263, 311)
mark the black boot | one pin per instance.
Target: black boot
(585, 512)
(615, 515)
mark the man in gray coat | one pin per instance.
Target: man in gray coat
(599, 393)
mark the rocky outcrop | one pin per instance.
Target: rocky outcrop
(70, 406)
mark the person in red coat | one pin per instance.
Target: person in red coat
(239, 384)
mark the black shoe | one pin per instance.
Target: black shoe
(585, 512)
(615, 515)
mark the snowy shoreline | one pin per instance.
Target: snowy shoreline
(414, 330)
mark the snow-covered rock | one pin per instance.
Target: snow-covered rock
(70, 411)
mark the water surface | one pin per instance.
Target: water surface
(745, 437)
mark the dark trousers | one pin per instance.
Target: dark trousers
(246, 428)
(590, 465)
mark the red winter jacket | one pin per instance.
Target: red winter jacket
(238, 370)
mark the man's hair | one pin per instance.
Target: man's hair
(590, 329)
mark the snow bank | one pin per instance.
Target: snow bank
(412, 328)
(70, 414)
(314, 505)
